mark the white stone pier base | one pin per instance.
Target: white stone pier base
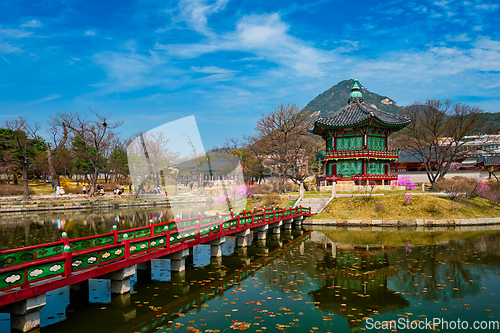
(241, 238)
(261, 231)
(120, 280)
(178, 260)
(25, 314)
(216, 247)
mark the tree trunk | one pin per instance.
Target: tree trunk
(26, 191)
(52, 170)
(94, 183)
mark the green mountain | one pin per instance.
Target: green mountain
(335, 98)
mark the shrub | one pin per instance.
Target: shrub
(6, 190)
(261, 188)
(458, 187)
(270, 199)
(489, 190)
(404, 181)
(66, 184)
(432, 208)
(379, 206)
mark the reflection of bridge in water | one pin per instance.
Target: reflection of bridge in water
(27, 274)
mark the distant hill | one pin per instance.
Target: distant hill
(335, 98)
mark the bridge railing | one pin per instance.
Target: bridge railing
(21, 267)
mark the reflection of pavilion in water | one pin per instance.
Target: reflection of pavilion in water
(356, 283)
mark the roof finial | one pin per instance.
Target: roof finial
(355, 95)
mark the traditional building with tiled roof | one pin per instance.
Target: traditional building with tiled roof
(356, 142)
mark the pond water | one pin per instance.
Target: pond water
(20, 230)
(299, 281)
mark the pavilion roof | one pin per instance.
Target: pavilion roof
(356, 112)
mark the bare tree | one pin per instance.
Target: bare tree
(96, 134)
(25, 134)
(58, 136)
(286, 143)
(436, 134)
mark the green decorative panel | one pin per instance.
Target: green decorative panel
(189, 234)
(189, 223)
(112, 254)
(138, 247)
(45, 270)
(80, 245)
(130, 235)
(142, 232)
(175, 238)
(100, 241)
(85, 260)
(157, 242)
(13, 278)
(17, 258)
(348, 168)
(49, 251)
(376, 143)
(226, 217)
(350, 143)
(375, 167)
(204, 231)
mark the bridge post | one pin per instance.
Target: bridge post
(298, 220)
(178, 260)
(120, 280)
(261, 231)
(25, 314)
(216, 247)
(275, 227)
(241, 238)
(288, 224)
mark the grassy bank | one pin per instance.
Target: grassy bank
(393, 207)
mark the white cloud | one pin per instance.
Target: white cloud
(267, 37)
(45, 99)
(90, 33)
(14, 33)
(458, 38)
(32, 24)
(211, 70)
(6, 48)
(195, 13)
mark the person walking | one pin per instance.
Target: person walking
(84, 189)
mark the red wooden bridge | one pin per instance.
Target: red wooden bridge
(31, 271)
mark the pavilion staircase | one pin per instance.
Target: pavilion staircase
(316, 204)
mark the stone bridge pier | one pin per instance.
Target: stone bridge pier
(275, 227)
(25, 314)
(120, 280)
(260, 232)
(216, 247)
(287, 224)
(241, 238)
(178, 260)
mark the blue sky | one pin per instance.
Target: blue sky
(227, 62)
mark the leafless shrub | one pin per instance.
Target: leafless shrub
(379, 206)
(271, 198)
(261, 188)
(458, 187)
(6, 190)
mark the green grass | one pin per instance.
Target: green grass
(393, 207)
